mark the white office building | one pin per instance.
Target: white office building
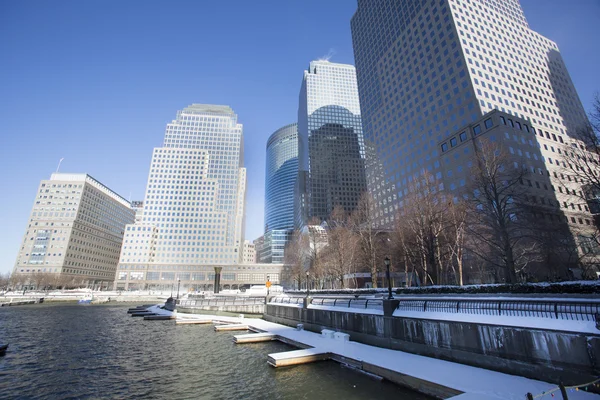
(74, 234)
(193, 217)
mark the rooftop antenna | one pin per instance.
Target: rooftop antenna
(59, 161)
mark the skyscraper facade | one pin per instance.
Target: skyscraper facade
(331, 150)
(74, 234)
(280, 177)
(194, 204)
(431, 71)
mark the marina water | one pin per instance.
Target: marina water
(60, 351)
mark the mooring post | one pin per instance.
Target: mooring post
(563, 391)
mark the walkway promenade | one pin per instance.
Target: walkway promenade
(474, 383)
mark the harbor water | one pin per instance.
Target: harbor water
(60, 351)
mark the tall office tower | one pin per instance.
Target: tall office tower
(331, 152)
(431, 70)
(195, 198)
(74, 234)
(281, 173)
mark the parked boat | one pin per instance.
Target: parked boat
(87, 299)
(3, 348)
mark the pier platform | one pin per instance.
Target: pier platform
(296, 357)
(231, 327)
(434, 377)
(254, 337)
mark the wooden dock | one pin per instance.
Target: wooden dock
(296, 357)
(231, 327)
(193, 321)
(254, 337)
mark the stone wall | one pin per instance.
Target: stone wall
(533, 353)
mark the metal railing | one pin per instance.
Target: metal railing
(287, 300)
(222, 301)
(373, 304)
(345, 302)
(572, 310)
(553, 309)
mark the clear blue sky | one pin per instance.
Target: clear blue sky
(96, 82)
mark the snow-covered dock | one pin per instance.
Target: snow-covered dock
(296, 357)
(439, 378)
(231, 327)
(254, 337)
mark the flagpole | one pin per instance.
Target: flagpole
(60, 161)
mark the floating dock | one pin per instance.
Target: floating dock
(255, 337)
(231, 327)
(296, 357)
(193, 321)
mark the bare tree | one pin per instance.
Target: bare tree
(455, 235)
(41, 280)
(293, 258)
(498, 218)
(581, 157)
(341, 249)
(4, 281)
(369, 236)
(423, 217)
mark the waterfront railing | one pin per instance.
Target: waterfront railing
(568, 309)
(222, 301)
(554, 309)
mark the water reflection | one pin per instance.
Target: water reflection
(72, 351)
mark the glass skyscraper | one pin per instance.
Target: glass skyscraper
(331, 150)
(194, 205)
(429, 69)
(280, 176)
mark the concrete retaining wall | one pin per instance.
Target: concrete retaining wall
(533, 353)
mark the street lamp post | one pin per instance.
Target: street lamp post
(387, 273)
(307, 284)
(268, 285)
(178, 283)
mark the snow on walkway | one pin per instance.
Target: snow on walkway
(477, 383)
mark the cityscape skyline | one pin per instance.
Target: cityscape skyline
(70, 115)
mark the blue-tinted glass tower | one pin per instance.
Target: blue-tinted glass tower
(331, 150)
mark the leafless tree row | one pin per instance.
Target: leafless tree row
(39, 281)
(490, 231)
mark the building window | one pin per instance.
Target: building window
(477, 129)
(502, 120)
(463, 136)
(444, 146)
(453, 142)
